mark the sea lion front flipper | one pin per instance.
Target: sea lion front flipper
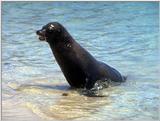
(97, 87)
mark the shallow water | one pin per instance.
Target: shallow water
(121, 34)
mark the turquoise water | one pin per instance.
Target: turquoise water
(122, 34)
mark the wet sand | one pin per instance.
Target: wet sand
(48, 101)
(17, 112)
(64, 104)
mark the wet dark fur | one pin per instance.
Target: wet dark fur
(79, 67)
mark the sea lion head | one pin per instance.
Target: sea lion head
(50, 32)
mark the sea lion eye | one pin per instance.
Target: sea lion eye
(51, 27)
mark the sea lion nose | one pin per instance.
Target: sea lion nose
(38, 32)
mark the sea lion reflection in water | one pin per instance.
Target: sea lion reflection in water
(79, 67)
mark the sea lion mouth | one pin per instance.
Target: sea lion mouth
(42, 38)
(41, 35)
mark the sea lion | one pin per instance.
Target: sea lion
(79, 67)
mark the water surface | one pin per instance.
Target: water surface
(121, 34)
